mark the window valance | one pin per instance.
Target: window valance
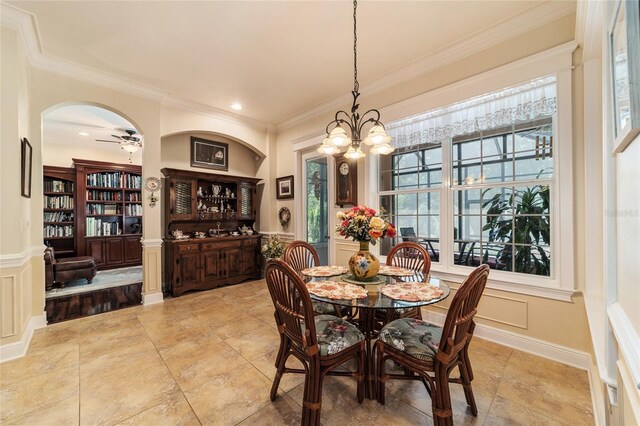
(533, 100)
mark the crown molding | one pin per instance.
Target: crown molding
(502, 31)
(26, 25)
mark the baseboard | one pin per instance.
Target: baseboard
(152, 299)
(19, 349)
(552, 351)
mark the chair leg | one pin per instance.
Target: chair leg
(468, 390)
(281, 361)
(360, 376)
(441, 399)
(312, 400)
(380, 371)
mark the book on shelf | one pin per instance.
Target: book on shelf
(58, 186)
(58, 216)
(58, 202)
(58, 231)
(96, 227)
(132, 181)
(133, 210)
(105, 180)
(96, 195)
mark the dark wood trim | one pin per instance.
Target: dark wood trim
(178, 173)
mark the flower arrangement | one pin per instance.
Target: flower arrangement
(273, 248)
(364, 224)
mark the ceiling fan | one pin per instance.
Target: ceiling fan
(129, 142)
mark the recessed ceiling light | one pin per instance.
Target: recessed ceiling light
(83, 133)
(236, 106)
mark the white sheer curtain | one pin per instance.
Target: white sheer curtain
(530, 101)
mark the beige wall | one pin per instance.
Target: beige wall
(61, 154)
(176, 149)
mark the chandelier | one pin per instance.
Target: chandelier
(338, 136)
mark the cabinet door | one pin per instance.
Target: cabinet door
(95, 247)
(188, 267)
(250, 260)
(211, 264)
(132, 250)
(246, 204)
(182, 193)
(115, 250)
(233, 262)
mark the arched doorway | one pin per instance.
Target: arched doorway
(92, 211)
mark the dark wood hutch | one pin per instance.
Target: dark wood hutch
(59, 218)
(216, 206)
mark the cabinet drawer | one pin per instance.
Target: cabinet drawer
(251, 242)
(182, 248)
(220, 245)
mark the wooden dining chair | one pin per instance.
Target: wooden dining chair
(302, 255)
(429, 353)
(408, 255)
(321, 342)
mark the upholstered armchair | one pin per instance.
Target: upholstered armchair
(62, 271)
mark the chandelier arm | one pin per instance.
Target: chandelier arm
(374, 119)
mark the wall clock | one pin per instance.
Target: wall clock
(153, 184)
(346, 181)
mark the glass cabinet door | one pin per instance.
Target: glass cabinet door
(246, 203)
(182, 199)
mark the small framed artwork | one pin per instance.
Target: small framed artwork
(284, 187)
(624, 46)
(26, 165)
(209, 154)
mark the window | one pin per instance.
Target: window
(496, 153)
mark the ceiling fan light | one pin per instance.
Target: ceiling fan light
(130, 147)
(382, 149)
(338, 137)
(377, 135)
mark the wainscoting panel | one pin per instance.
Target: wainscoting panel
(493, 308)
(344, 251)
(10, 306)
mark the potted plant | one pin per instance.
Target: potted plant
(529, 230)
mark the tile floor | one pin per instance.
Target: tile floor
(207, 358)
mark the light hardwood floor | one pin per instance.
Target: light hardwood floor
(207, 358)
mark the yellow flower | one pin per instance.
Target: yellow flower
(376, 223)
(340, 215)
(360, 218)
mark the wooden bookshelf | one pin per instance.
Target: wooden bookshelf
(59, 213)
(109, 209)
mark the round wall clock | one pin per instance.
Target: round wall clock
(153, 184)
(285, 216)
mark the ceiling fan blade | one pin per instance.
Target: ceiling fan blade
(119, 137)
(104, 140)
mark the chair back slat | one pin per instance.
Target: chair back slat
(301, 255)
(459, 325)
(292, 303)
(410, 255)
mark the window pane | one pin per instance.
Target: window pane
(407, 203)
(467, 228)
(428, 203)
(429, 227)
(408, 179)
(532, 260)
(498, 168)
(467, 201)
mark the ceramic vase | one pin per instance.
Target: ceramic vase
(363, 265)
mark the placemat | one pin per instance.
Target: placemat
(412, 291)
(375, 280)
(395, 271)
(324, 271)
(336, 290)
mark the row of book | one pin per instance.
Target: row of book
(132, 181)
(134, 196)
(58, 186)
(103, 208)
(58, 216)
(58, 202)
(97, 227)
(58, 231)
(133, 210)
(105, 180)
(92, 194)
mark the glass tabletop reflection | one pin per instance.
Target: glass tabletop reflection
(375, 299)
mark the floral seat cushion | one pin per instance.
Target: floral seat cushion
(412, 336)
(335, 334)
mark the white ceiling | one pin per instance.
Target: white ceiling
(277, 58)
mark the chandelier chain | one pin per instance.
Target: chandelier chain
(356, 85)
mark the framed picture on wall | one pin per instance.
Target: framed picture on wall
(284, 187)
(209, 154)
(624, 47)
(26, 166)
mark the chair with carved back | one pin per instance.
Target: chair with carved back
(301, 255)
(322, 342)
(408, 255)
(430, 353)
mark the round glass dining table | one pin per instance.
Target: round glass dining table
(365, 317)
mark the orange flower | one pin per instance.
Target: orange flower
(391, 231)
(375, 233)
